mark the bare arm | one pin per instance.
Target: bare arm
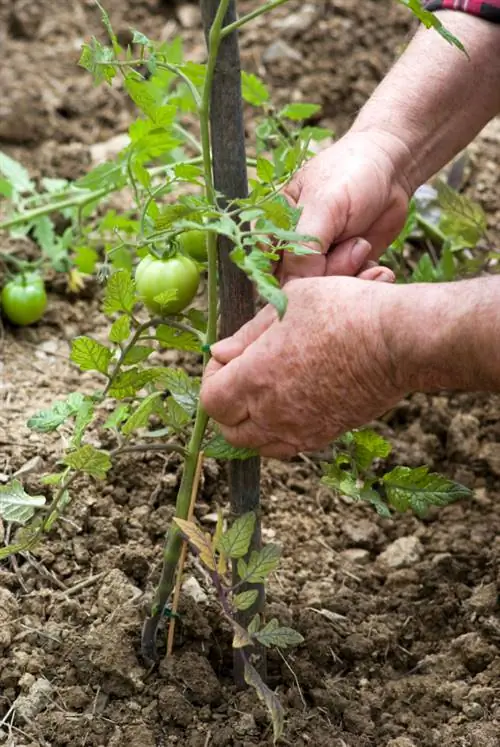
(434, 101)
(444, 336)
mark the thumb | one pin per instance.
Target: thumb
(231, 347)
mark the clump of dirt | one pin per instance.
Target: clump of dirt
(400, 618)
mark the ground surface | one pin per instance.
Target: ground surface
(401, 641)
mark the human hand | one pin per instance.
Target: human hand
(353, 189)
(296, 384)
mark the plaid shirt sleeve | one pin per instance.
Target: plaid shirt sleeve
(487, 9)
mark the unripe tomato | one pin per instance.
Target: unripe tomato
(194, 243)
(24, 299)
(155, 276)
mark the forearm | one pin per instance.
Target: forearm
(445, 336)
(435, 100)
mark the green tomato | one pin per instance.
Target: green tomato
(194, 243)
(156, 276)
(24, 299)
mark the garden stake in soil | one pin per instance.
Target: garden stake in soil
(236, 292)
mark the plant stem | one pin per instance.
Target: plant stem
(173, 545)
(250, 16)
(53, 207)
(431, 230)
(166, 447)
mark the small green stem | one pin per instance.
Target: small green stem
(53, 207)
(140, 329)
(431, 230)
(250, 16)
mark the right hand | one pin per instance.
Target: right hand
(353, 189)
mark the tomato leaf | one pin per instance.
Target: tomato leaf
(419, 489)
(17, 505)
(245, 599)
(142, 413)
(198, 540)
(270, 699)
(260, 565)
(298, 112)
(219, 448)
(281, 637)
(90, 460)
(49, 420)
(120, 329)
(120, 293)
(90, 355)
(169, 337)
(16, 174)
(235, 542)
(136, 354)
(253, 89)
(184, 389)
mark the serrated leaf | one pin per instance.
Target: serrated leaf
(245, 599)
(177, 339)
(136, 354)
(120, 329)
(127, 383)
(184, 389)
(84, 417)
(16, 174)
(257, 265)
(142, 413)
(265, 170)
(260, 564)
(90, 460)
(166, 297)
(139, 38)
(142, 97)
(298, 112)
(49, 420)
(175, 416)
(281, 637)
(253, 89)
(90, 355)
(419, 489)
(85, 259)
(369, 446)
(219, 448)
(54, 478)
(17, 505)
(235, 542)
(432, 21)
(104, 175)
(346, 483)
(270, 699)
(117, 417)
(198, 540)
(254, 624)
(120, 293)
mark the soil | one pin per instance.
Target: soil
(400, 618)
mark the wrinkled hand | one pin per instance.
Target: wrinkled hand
(295, 385)
(352, 189)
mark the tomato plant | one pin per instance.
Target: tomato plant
(142, 405)
(24, 299)
(167, 286)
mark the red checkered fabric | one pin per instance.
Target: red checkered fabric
(488, 9)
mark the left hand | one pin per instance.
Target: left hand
(294, 385)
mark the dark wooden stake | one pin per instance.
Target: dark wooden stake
(236, 292)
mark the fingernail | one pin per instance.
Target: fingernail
(360, 252)
(384, 277)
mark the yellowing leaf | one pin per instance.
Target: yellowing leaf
(90, 460)
(198, 540)
(253, 678)
(241, 637)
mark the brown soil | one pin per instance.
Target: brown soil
(401, 641)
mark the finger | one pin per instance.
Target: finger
(223, 393)
(246, 435)
(378, 274)
(279, 450)
(348, 257)
(315, 221)
(231, 347)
